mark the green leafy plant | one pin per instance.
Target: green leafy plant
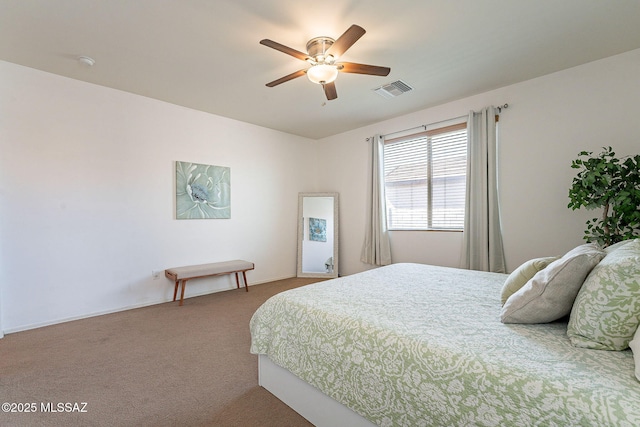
(604, 181)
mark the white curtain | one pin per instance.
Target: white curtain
(482, 247)
(376, 249)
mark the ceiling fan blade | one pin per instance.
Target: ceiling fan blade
(346, 40)
(374, 70)
(284, 49)
(287, 78)
(330, 91)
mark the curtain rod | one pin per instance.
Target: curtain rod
(500, 108)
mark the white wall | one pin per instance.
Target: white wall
(87, 198)
(87, 185)
(549, 121)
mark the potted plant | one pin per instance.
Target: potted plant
(604, 181)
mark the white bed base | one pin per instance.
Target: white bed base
(318, 408)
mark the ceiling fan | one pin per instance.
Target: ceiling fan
(322, 54)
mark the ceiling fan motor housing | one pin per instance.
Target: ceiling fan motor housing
(317, 49)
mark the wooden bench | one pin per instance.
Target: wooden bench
(181, 274)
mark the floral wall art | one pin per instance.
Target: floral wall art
(318, 229)
(202, 191)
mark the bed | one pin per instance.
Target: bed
(419, 345)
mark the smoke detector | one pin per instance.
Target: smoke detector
(86, 61)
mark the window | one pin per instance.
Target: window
(425, 179)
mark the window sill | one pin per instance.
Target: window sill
(430, 230)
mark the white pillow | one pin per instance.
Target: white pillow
(616, 246)
(522, 275)
(550, 294)
(634, 344)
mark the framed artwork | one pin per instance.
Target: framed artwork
(202, 191)
(318, 229)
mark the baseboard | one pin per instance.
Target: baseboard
(129, 307)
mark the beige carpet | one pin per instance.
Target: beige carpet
(162, 365)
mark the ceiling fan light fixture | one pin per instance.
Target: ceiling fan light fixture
(322, 54)
(322, 73)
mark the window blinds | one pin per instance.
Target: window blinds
(425, 180)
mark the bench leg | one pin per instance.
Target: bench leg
(244, 275)
(175, 290)
(184, 285)
(246, 285)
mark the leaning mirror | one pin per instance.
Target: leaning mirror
(318, 235)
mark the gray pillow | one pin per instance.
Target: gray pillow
(550, 294)
(522, 275)
(606, 313)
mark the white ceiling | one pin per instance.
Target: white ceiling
(205, 54)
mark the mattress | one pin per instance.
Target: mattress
(419, 345)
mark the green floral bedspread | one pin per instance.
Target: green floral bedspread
(418, 345)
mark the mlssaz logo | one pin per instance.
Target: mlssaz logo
(63, 407)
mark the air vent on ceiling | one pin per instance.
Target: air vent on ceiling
(392, 90)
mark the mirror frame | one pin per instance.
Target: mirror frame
(336, 203)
